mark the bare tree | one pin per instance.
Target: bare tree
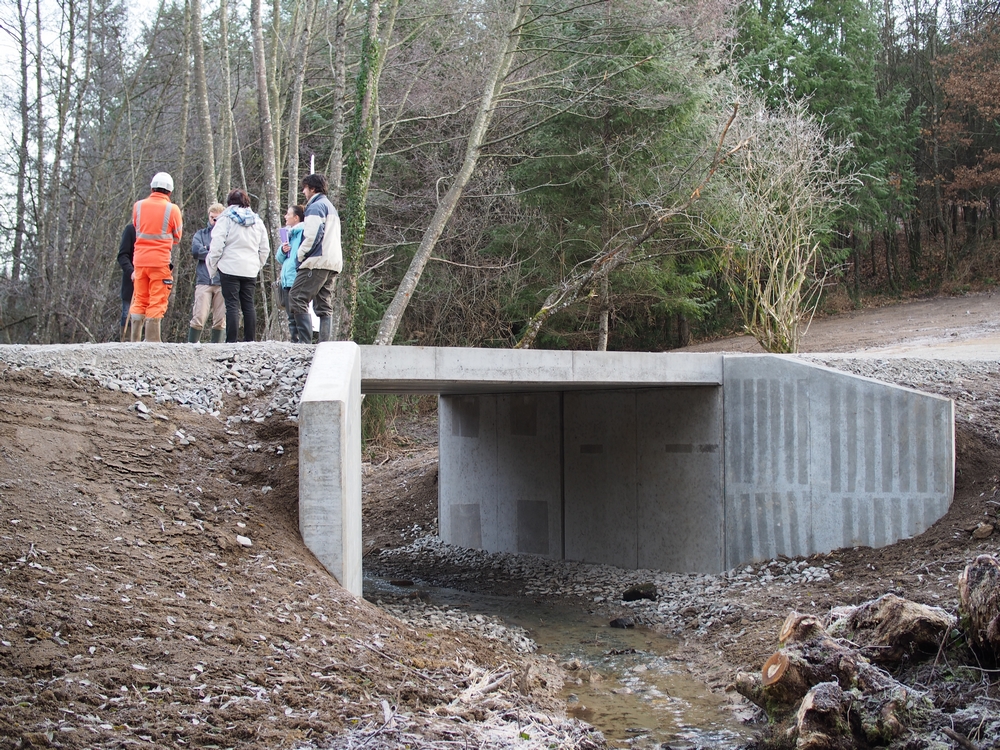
(182, 131)
(492, 88)
(22, 148)
(335, 165)
(299, 53)
(782, 192)
(267, 140)
(226, 136)
(204, 113)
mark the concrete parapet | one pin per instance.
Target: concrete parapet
(330, 461)
(422, 369)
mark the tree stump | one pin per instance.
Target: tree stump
(821, 721)
(790, 673)
(979, 589)
(890, 628)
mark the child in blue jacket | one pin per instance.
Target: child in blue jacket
(287, 256)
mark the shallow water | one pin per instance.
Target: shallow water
(630, 684)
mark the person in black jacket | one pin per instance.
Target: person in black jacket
(125, 250)
(207, 289)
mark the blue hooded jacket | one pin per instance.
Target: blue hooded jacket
(290, 263)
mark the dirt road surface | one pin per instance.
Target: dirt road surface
(154, 590)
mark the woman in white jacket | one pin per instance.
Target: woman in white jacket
(239, 249)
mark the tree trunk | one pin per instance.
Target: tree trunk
(41, 233)
(271, 76)
(182, 131)
(267, 144)
(57, 223)
(890, 628)
(604, 315)
(204, 113)
(813, 683)
(358, 174)
(72, 225)
(393, 316)
(913, 242)
(295, 111)
(22, 150)
(335, 166)
(226, 136)
(979, 592)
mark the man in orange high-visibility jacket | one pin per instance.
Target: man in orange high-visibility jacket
(157, 232)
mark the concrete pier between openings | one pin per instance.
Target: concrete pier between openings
(685, 462)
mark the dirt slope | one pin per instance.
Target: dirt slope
(131, 614)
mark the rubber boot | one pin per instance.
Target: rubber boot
(136, 321)
(194, 335)
(326, 328)
(218, 335)
(293, 330)
(153, 330)
(304, 325)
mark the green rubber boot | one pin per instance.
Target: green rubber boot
(218, 335)
(194, 335)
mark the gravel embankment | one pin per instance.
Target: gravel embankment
(197, 376)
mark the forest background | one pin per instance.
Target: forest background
(585, 174)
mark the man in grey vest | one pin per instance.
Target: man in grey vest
(320, 262)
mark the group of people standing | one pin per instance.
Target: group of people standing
(230, 252)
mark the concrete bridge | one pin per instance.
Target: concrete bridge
(673, 461)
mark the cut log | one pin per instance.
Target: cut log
(890, 628)
(979, 592)
(799, 627)
(790, 673)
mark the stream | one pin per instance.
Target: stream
(631, 684)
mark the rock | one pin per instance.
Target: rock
(983, 531)
(622, 622)
(640, 591)
(244, 541)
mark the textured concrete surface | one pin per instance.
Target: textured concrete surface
(330, 462)
(817, 460)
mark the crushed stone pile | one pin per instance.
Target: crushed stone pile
(197, 376)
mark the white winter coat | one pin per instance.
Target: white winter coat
(239, 244)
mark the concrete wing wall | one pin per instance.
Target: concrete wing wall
(818, 459)
(330, 461)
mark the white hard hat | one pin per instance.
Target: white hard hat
(162, 180)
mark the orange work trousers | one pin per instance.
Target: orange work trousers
(152, 291)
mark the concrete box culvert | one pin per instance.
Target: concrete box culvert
(676, 461)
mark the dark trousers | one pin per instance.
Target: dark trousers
(312, 285)
(237, 291)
